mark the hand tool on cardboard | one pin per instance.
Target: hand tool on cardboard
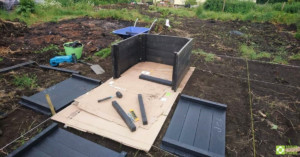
(118, 94)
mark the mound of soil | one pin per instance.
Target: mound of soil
(9, 29)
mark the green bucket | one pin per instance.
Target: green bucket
(71, 50)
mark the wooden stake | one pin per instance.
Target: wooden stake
(282, 7)
(50, 104)
(223, 5)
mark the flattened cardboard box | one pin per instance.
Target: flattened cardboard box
(87, 115)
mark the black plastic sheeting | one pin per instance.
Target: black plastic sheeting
(54, 141)
(168, 50)
(61, 94)
(197, 128)
(16, 66)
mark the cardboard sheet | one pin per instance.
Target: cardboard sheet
(86, 114)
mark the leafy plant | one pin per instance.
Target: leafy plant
(231, 6)
(208, 57)
(279, 60)
(48, 48)
(26, 7)
(103, 53)
(288, 7)
(190, 2)
(25, 81)
(1, 59)
(199, 10)
(295, 57)
(249, 53)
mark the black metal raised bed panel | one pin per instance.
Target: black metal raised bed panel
(16, 66)
(168, 50)
(126, 54)
(197, 128)
(181, 64)
(162, 49)
(61, 94)
(54, 141)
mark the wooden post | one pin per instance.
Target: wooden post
(282, 7)
(223, 5)
(50, 104)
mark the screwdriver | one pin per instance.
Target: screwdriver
(119, 95)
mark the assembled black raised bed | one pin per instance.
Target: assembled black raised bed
(61, 94)
(170, 50)
(197, 128)
(54, 141)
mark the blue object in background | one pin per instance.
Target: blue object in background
(55, 61)
(132, 30)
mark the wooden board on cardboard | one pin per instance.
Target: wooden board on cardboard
(83, 117)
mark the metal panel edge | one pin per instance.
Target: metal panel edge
(33, 140)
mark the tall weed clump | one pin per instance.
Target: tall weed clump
(288, 7)
(26, 7)
(231, 6)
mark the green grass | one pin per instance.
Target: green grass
(249, 53)
(103, 53)
(295, 57)
(48, 48)
(208, 57)
(279, 60)
(1, 59)
(25, 81)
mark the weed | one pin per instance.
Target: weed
(208, 57)
(26, 7)
(295, 57)
(279, 60)
(1, 59)
(48, 48)
(88, 58)
(249, 53)
(103, 53)
(297, 35)
(231, 6)
(25, 81)
(61, 53)
(199, 10)
(288, 8)
(263, 55)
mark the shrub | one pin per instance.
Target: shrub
(199, 10)
(297, 35)
(26, 7)
(288, 7)
(190, 2)
(269, 1)
(232, 6)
